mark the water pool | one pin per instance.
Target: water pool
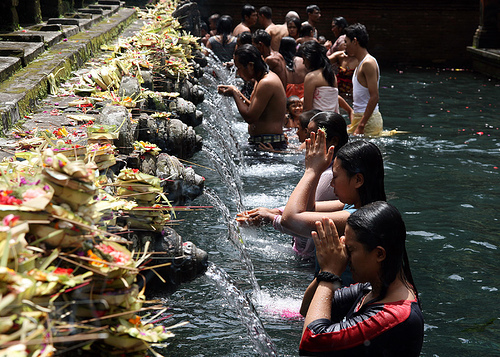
(443, 175)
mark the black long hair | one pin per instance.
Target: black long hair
(297, 23)
(250, 53)
(315, 53)
(380, 224)
(224, 27)
(364, 157)
(288, 49)
(334, 125)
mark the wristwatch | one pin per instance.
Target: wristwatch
(328, 277)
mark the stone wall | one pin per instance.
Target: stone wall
(411, 32)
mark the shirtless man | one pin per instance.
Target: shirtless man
(265, 110)
(367, 119)
(262, 40)
(248, 19)
(313, 16)
(277, 32)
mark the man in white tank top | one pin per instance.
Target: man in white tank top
(367, 119)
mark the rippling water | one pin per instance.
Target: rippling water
(442, 175)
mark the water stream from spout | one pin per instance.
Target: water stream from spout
(263, 344)
(221, 149)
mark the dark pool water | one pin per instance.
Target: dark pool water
(443, 175)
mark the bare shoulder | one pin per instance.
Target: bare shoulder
(275, 57)
(270, 79)
(314, 76)
(239, 29)
(271, 29)
(368, 65)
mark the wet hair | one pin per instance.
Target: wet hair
(315, 53)
(364, 157)
(204, 26)
(214, 17)
(247, 11)
(306, 30)
(262, 36)
(244, 38)
(290, 15)
(297, 23)
(334, 125)
(359, 32)
(225, 27)
(341, 23)
(380, 224)
(310, 9)
(266, 12)
(288, 49)
(249, 53)
(305, 117)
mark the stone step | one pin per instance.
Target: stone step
(65, 30)
(112, 8)
(50, 38)
(111, 2)
(21, 37)
(92, 11)
(83, 24)
(9, 65)
(27, 51)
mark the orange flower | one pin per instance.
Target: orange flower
(93, 256)
(136, 320)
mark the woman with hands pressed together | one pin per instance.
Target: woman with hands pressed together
(358, 179)
(379, 316)
(336, 132)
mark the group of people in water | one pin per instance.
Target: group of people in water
(337, 214)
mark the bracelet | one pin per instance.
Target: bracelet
(328, 277)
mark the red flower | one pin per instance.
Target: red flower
(62, 271)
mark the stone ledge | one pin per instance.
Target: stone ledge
(50, 38)
(485, 60)
(8, 66)
(27, 51)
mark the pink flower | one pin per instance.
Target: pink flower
(32, 193)
(10, 220)
(119, 257)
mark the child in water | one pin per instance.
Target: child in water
(294, 107)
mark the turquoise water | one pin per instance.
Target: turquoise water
(443, 175)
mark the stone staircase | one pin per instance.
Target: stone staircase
(57, 46)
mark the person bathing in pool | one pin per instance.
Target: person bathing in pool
(336, 132)
(358, 179)
(265, 110)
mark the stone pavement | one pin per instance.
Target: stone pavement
(45, 54)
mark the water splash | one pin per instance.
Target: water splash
(234, 236)
(223, 150)
(228, 175)
(263, 344)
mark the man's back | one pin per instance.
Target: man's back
(269, 99)
(277, 64)
(241, 27)
(277, 32)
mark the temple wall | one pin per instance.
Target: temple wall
(423, 33)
